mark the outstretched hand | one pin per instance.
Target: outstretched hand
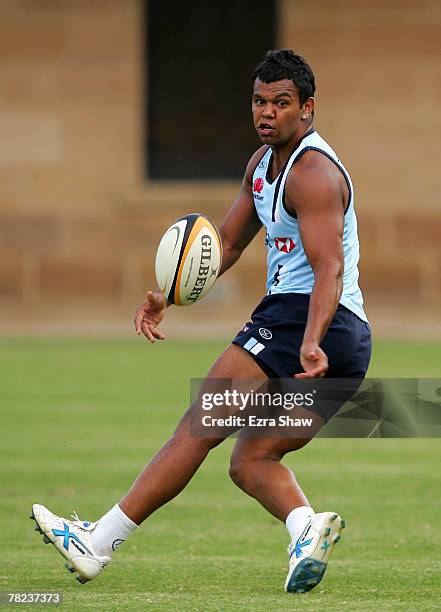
(314, 361)
(149, 315)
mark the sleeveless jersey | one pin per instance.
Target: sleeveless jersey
(288, 268)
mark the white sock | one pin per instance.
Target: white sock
(112, 530)
(297, 519)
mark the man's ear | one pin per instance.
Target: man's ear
(308, 109)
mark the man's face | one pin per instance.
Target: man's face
(276, 111)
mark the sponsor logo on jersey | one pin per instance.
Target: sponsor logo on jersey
(258, 184)
(265, 333)
(262, 165)
(285, 245)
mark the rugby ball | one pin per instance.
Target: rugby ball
(188, 259)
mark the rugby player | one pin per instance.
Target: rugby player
(310, 324)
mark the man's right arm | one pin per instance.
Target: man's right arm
(241, 224)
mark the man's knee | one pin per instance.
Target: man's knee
(236, 471)
(245, 468)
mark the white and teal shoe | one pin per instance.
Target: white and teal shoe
(309, 554)
(72, 539)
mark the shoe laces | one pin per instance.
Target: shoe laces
(84, 525)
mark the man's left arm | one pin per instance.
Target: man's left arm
(314, 191)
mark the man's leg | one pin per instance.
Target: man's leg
(88, 547)
(174, 465)
(256, 468)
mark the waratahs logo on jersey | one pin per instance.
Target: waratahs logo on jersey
(258, 184)
(285, 245)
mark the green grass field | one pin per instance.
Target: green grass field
(79, 420)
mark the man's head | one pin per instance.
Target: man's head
(283, 103)
(285, 64)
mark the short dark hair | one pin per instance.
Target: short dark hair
(285, 64)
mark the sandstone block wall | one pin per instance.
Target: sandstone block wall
(78, 220)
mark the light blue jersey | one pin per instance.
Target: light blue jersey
(288, 268)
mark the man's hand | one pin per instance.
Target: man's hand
(314, 361)
(149, 315)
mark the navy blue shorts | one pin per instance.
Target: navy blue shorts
(274, 336)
